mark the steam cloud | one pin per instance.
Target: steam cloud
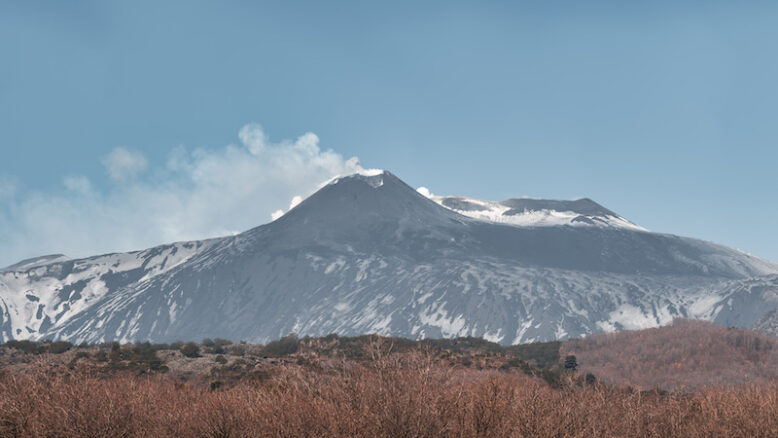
(196, 194)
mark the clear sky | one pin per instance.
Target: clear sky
(126, 124)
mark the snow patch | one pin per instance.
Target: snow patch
(496, 337)
(342, 307)
(449, 326)
(369, 176)
(492, 211)
(632, 318)
(705, 307)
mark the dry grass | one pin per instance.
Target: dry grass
(396, 395)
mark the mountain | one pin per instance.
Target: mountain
(537, 212)
(367, 253)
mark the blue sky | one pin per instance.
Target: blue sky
(112, 114)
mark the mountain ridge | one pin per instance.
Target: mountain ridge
(530, 212)
(367, 253)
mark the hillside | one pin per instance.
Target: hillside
(685, 355)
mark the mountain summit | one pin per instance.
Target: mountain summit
(368, 254)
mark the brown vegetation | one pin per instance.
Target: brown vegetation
(370, 386)
(685, 355)
(225, 362)
(395, 395)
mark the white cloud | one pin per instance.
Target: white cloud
(196, 194)
(253, 137)
(8, 187)
(123, 164)
(425, 192)
(296, 200)
(78, 184)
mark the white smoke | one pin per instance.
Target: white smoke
(195, 194)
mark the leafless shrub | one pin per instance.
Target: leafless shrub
(391, 395)
(685, 355)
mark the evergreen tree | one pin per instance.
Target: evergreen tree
(571, 363)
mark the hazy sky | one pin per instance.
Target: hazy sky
(124, 125)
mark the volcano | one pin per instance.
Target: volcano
(368, 254)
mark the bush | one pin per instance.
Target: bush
(544, 354)
(282, 347)
(515, 362)
(220, 359)
(59, 347)
(216, 349)
(190, 349)
(27, 347)
(116, 354)
(140, 357)
(216, 346)
(78, 355)
(408, 397)
(101, 356)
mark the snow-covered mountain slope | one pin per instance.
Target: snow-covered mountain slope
(35, 262)
(537, 212)
(768, 323)
(368, 254)
(37, 297)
